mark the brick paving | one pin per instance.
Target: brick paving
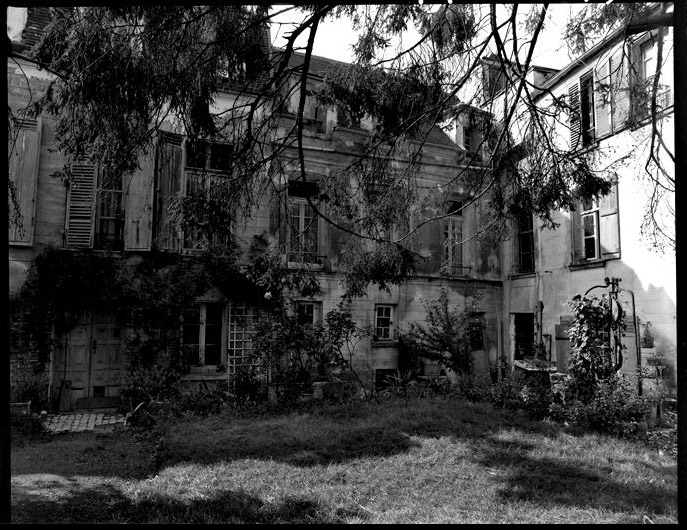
(83, 421)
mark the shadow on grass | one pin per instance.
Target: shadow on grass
(107, 504)
(552, 483)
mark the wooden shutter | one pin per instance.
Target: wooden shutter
(609, 227)
(577, 236)
(80, 205)
(138, 205)
(601, 101)
(620, 94)
(574, 102)
(168, 185)
(23, 149)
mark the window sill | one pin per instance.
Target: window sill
(592, 264)
(386, 343)
(519, 275)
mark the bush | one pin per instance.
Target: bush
(613, 408)
(475, 388)
(31, 382)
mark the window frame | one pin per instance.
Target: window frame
(315, 313)
(527, 233)
(389, 334)
(587, 115)
(453, 247)
(196, 178)
(112, 188)
(590, 213)
(306, 231)
(202, 310)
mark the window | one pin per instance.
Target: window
(303, 224)
(646, 66)
(202, 334)
(467, 139)
(452, 262)
(582, 124)
(383, 322)
(525, 243)
(309, 314)
(587, 109)
(596, 230)
(590, 229)
(207, 164)
(202, 154)
(315, 112)
(109, 222)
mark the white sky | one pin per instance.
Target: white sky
(335, 38)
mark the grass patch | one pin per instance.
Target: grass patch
(430, 460)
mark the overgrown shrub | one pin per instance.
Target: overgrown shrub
(614, 406)
(30, 382)
(591, 360)
(154, 383)
(293, 356)
(448, 335)
(520, 390)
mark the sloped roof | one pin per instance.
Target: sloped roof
(37, 20)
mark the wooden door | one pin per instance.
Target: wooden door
(89, 360)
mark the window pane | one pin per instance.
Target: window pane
(306, 314)
(590, 247)
(589, 226)
(220, 157)
(196, 154)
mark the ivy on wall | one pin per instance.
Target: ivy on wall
(147, 293)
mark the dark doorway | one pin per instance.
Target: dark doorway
(524, 335)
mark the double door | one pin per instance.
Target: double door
(88, 361)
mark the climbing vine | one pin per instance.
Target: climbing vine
(591, 361)
(146, 293)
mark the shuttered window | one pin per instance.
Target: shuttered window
(582, 119)
(23, 149)
(596, 230)
(109, 223)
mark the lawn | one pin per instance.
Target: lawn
(430, 460)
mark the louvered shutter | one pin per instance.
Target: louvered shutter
(577, 236)
(168, 185)
(609, 227)
(574, 122)
(138, 206)
(24, 151)
(601, 101)
(620, 94)
(80, 205)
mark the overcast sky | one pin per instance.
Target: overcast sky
(335, 37)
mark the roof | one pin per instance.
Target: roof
(318, 65)
(37, 20)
